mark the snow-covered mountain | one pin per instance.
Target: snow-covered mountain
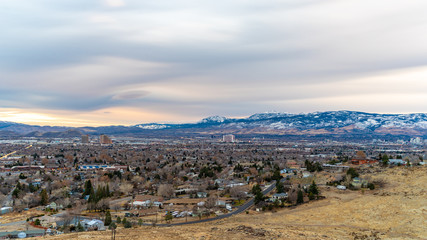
(332, 123)
(214, 119)
(338, 119)
(152, 126)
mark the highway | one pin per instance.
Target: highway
(7, 202)
(241, 209)
(7, 155)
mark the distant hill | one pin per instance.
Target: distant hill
(334, 124)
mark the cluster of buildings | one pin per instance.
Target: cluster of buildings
(229, 138)
(104, 167)
(103, 139)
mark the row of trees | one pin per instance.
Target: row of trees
(97, 198)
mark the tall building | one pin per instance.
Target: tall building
(104, 139)
(85, 138)
(228, 138)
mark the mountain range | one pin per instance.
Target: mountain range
(333, 124)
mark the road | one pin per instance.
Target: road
(12, 224)
(241, 209)
(7, 155)
(7, 202)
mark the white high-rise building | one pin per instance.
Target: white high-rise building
(417, 140)
(228, 138)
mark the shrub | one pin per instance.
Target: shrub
(37, 222)
(127, 224)
(80, 228)
(112, 226)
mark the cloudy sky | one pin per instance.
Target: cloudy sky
(79, 62)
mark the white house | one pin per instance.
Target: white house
(280, 196)
(147, 203)
(93, 224)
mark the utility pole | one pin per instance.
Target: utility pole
(156, 216)
(186, 212)
(113, 233)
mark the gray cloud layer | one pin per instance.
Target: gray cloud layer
(219, 57)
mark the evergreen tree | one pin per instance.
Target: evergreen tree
(112, 226)
(92, 197)
(44, 197)
(352, 172)
(88, 188)
(313, 189)
(384, 160)
(107, 220)
(276, 175)
(98, 194)
(300, 197)
(37, 222)
(80, 227)
(168, 216)
(255, 189)
(32, 188)
(280, 188)
(259, 197)
(15, 193)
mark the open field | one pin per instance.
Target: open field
(397, 211)
(22, 216)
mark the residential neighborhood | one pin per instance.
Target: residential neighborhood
(62, 187)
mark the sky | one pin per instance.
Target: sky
(124, 62)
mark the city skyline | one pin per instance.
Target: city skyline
(123, 62)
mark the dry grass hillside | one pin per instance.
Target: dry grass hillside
(396, 211)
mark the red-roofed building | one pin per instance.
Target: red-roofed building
(363, 161)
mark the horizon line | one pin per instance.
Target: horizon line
(230, 118)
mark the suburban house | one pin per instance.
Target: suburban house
(146, 201)
(279, 196)
(287, 170)
(396, 162)
(358, 182)
(93, 224)
(52, 206)
(220, 203)
(333, 168)
(202, 194)
(5, 210)
(37, 182)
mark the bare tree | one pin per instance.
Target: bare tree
(66, 218)
(166, 190)
(126, 188)
(2, 198)
(210, 203)
(237, 193)
(103, 204)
